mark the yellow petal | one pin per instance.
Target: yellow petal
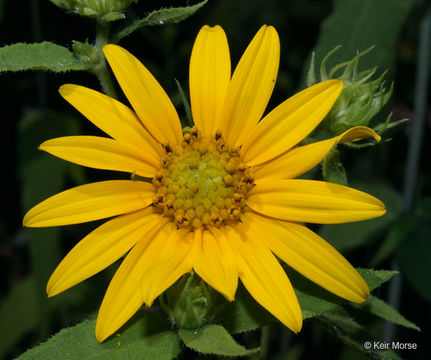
(101, 248)
(101, 153)
(124, 295)
(264, 278)
(145, 94)
(114, 118)
(91, 202)
(167, 259)
(312, 201)
(303, 158)
(310, 255)
(290, 122)
(251, 86)
(214, 261)
(209, 78)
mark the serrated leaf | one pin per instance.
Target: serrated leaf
(341, 318)
(159, 17)
(375, 278)
(345, 338)
(379, 308)
(215, 340)
(135, 342)
(348, 236)
(45, 56)
(243, 314)
(315, 301)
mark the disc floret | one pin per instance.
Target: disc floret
(202, 182)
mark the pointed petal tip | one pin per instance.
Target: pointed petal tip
(102, 332)
(295, 322)
(100, 337)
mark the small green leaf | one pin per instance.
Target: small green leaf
(375, 278)
(243, 314)
(137, 341)
(347, 339)
(341, 318)
(45, 56)
(379, 308)
(186, 104)
(159, 17)
(214, 339)
(332, 168)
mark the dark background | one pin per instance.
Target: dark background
(28, 256)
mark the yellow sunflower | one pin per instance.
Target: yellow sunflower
(220, 198)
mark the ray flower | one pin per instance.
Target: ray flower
(221, 198)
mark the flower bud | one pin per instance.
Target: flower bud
(87, 53)
(189, 302)
(108, 10)
(361, 98)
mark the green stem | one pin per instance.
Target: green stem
(101, 69)
(264, 342)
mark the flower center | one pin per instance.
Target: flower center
(202, 182)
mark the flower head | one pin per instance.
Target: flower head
(220, 199)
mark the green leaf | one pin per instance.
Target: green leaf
(244, 314)
(379, 308)
(332, 168)
(18, 314)
(370, 23)
(341, 318)
(159, 17)
(186, 104)
(414, 258)
(138, 341)
(348, 236)
(375, 278)
(45, 56)
(315, 300)
(214, 339)
(346, 338)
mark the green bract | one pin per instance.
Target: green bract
(108, 10)
(361, 98)
(189, 302)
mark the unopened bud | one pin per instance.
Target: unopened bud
(189, 302)
(108, 10)
(361, 98)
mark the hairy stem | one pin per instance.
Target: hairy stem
(101, 69)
